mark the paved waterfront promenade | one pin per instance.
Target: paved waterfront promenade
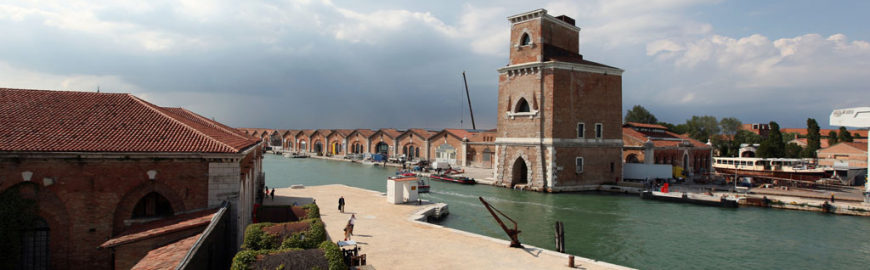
(392, 240)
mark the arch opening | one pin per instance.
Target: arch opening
(519, 173)
(525, 40)
(382, 148)
(152, 205)
(522, 106)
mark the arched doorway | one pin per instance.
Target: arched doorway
(152, 205)
(318, 147)
(519, 173)
(632, 158)
(382, 148)
(336, 148)
(303, 146)
(34, 246)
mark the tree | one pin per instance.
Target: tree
(814, 139)
(832, 137)
(679, 129)
(773, 146)
(793, 150)
(702, 127)
(730, 125)
(845, 135)
(639, 114)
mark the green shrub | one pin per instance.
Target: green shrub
(311, 211)
(257, 239)
(333, 255)
(244, 259)
(315, 234)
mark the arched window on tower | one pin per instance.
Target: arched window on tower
(522, 106)
(525, 40)
(152, 205)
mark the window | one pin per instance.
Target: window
(581, 130)
(522, 106)
(34, 246)
(578, 165)
(525, 40)
(599, 130)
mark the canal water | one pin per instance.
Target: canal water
(621, 229)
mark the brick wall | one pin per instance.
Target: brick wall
(89, 199)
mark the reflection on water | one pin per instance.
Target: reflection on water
(623, 229)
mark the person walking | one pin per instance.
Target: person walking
(273, 194)
(341, 204)
(348, 230)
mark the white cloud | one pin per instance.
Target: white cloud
(807, 69)
(13, 77)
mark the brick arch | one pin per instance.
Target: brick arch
(51, 209)
(125, 206)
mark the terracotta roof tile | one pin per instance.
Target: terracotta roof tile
(159, 227)
(644, 125)
(63, 121)
(168, 256)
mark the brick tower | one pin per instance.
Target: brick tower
(559, 116)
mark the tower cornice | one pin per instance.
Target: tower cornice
(534, 67)
(542, 14)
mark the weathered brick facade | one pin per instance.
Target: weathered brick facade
(97, 163)
(545, 93)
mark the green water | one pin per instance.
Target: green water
(625, 230)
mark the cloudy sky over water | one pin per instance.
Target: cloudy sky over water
(353, 64)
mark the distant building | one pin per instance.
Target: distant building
(559, 115)
(99, 164)
(654, 144)
(844, 155)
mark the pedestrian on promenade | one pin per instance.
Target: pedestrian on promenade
(348, 230)
(341, 204)
(273, 194)
(832, 197)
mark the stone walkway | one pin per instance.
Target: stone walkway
(391, 240)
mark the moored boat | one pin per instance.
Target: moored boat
(452, 178)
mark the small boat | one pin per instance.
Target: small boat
(422, 186)
(455, 179)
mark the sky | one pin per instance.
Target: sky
(398, 64)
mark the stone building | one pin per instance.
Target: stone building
(98, 163)
(559, 115)
(358, 141)
(480, 147)
(337, 142)
(384, 142)
(414, 143)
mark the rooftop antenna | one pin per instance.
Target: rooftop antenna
(98, 88)
(468, 97)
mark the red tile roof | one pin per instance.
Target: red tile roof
(644, 125)
(160, 227)
(365, 132)
(63, 121)
(824, 132)
(168, 256)
(390, 132)
(667, 139)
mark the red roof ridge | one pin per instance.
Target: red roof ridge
(216, 124)
(156, 109)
